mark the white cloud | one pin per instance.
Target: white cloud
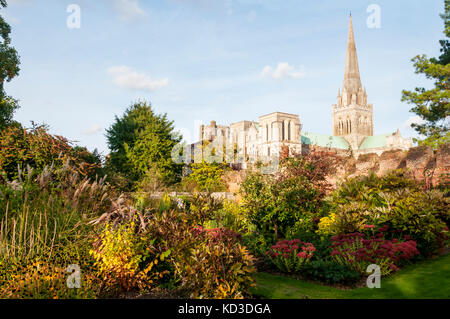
(11, 19)
(251, 16)
(229, 7)
(94, 129)
(126, 77)
(17, 2)
(283, 70)
(413, 119)
(128, 9)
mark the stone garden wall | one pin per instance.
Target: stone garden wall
(421, 162)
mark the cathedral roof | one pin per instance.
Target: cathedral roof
(374, 141)
(324, 140)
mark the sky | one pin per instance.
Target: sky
(203, 60)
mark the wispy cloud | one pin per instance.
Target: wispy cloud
(18, 2)
(126, 77)
(128, 9)
(282, 71)
(229, 7)
(10, 19)
(413, 119)
(94, 129)
(251, 16)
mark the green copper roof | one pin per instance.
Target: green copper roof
(325, 140)
(374, 141)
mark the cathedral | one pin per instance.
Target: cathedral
(352, 120)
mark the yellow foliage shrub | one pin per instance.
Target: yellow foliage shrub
(326, 225)
(125, 260)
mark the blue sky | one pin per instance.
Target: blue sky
(203, 60)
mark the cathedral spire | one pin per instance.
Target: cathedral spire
(352, 81)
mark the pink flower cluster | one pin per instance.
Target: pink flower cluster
(356, 248)
(290, 248)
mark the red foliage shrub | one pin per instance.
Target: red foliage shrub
(217, 235)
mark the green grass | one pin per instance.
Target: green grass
(426, 279)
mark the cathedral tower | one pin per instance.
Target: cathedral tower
(352, 116)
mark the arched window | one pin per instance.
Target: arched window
(267, 132)
(282, 131)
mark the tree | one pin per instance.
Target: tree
(141, 141)
(444, 58)
(9, 68)
(432, 106)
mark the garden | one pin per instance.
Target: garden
(291, 235)
(78, 224)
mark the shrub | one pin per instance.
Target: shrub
(125, 259)
(289, 201)
(351, 218)
(231, 217)
(330, 272)
(257, 243)
(290, 255)
(217, 267)
(357, 252)
(367, 189)
(203, 263)
(203, 207)
(207, 177)
(325, 225)
(394, 200)
(37, 148)
(419, 215)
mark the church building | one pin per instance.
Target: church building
(352, 126)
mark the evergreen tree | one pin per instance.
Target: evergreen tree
(141, 141)
(433, 105)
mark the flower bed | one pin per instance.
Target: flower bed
(290, 255)
(358, 251)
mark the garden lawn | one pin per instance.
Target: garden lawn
(426, 279)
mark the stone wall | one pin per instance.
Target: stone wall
(424, 164)
(442, 165)
(421, 162)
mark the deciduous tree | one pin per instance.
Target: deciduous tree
(9, 68)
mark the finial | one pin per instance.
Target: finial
(350, 14)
